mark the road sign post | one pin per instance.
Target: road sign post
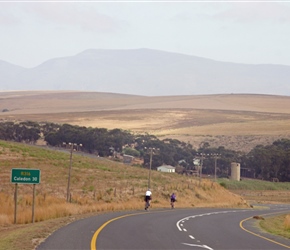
(24, 176)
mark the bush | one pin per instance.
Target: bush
(132, 152)
(223, 184)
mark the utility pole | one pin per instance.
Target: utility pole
(69, 173)
(71, 146)
(201, 156)
(150, 166)
(215, 164)
(200, 173)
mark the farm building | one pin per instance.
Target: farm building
(128, 159)
(166, 168)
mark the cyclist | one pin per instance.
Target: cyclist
(172, 200)
(148, 197)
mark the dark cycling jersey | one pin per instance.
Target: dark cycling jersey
(173, 198)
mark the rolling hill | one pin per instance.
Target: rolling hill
(146, 72)
(235, 121)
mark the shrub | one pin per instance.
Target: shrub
(223, 184)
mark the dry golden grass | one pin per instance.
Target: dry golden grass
(23, 102)
(235, 121)
(96, 185)
(276, 225)
(189, 195)
(264, 196)
(287, 222)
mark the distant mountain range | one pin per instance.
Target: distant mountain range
(146, 72)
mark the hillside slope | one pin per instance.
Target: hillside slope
(37, 102)
(97, 184)
(238, 122)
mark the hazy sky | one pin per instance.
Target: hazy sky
(235, 31)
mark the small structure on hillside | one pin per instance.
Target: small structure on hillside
(128, 159)
(166, 168)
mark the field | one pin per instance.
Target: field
(258, 191)
(236, 121)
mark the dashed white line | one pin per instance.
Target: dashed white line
(201, 246)
(180, 227)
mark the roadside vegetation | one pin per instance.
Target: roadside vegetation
(97, 185)
(253, 185)
(258, 191)
(263, 192)
(278, 225)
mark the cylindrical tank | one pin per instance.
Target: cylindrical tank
(235, 171)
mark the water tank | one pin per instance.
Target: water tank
(235, 171)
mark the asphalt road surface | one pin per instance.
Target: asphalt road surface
(197, 228)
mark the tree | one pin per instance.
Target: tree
(131, 151)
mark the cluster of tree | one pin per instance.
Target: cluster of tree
(265, 162)
(100, 141)
(28, 132)
(269, 162)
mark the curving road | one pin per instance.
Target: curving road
(198, 228)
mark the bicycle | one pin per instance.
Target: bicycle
(172, 201)
(147, 205)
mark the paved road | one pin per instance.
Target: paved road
(170, 229)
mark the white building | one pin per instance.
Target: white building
(166, 168)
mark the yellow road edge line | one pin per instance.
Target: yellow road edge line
(265, 238)
(95, 236)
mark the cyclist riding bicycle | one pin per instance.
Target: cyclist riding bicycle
(172, 200)
(148, 198)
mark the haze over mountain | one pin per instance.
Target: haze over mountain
(146, 72)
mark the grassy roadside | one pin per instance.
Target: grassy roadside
(253, 185)
(277, 225)
(28, 236)
(259, 192)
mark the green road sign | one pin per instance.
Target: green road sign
(25, 176)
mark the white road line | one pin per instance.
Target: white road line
(201, 246)
(179, 225)
(199, 215)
